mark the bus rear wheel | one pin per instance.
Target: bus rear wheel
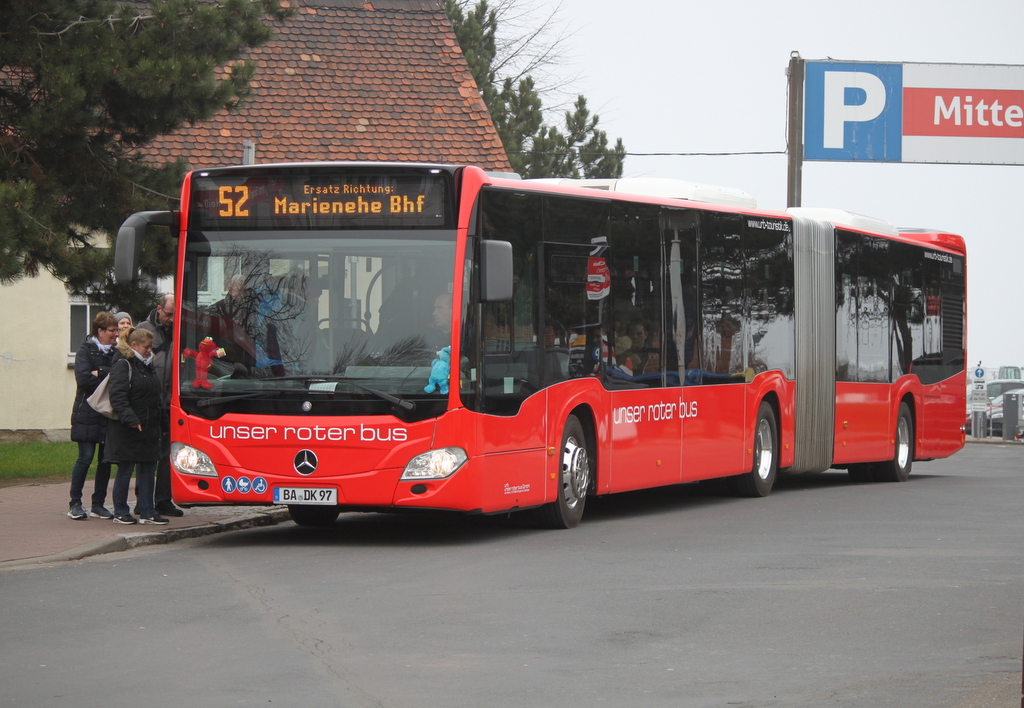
(898, 468)
(758, 482)
(575, 467)
(305, 515)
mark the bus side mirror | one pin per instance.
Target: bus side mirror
(495, 271)
(128, 247)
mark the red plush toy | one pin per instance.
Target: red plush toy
(208, 351)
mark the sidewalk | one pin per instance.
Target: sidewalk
(35, 528)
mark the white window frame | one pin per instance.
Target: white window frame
(75, 337)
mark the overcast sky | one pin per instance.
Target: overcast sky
(678, 76)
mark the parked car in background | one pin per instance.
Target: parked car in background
(995, 412)
(994, 389)
(998, 387)
(1009, 372)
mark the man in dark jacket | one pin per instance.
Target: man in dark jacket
(161, 323)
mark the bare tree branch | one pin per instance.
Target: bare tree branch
(109, 20)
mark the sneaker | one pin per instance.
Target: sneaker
(124, 519)
(76, 512)
(154, 519)
(169, 509)
(100, 512)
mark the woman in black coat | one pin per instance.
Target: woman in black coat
(89, 428)
(133, 441)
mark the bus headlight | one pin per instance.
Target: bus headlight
(188, 460)
(436, 464)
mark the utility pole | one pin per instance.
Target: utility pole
(794, 184)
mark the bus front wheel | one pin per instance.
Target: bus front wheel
(898, 468)
(575, 467)
(305, 515)
(758, 482)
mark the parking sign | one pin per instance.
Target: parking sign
(853, 111)
(939, 113)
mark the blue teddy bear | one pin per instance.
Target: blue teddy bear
(440, 370)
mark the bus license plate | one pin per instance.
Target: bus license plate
(305, 495)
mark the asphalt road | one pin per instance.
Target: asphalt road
(825, 593)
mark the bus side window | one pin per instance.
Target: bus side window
(722, 311)
(637, 264)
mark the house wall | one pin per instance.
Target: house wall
(37, 389)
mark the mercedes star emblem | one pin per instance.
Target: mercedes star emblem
(305, 462)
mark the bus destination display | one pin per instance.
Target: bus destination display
(304, 200)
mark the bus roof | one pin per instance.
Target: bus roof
(937, 238)
(838, 217)
(662, 187)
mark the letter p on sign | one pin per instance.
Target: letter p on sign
(853, 111)
(838, 112)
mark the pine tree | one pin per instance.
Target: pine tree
(84, 86)
(534, 149)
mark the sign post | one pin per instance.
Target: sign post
(979, 405)
(795, 148)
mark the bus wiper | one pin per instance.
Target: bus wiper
(207, 402)
(393, 400)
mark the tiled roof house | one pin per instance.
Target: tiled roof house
(353, 80)
(343, 80)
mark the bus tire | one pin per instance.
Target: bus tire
(305, 515)
(898, 468)
(758, 482)
(575, 470)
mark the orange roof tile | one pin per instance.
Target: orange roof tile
(353, 80)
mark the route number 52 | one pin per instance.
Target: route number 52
(233, 200)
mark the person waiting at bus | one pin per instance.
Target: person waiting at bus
(89, 428)
(161, 324)
(124, 322)
(134, 438)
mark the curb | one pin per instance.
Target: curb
(127, 541)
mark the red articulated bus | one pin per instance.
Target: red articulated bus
(380, 336)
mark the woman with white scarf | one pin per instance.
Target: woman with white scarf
(89, 428)
(133, 440)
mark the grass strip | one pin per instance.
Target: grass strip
(38, 461)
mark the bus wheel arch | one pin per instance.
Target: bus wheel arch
(772, 399)
(577, 468)
(898, 468)
(758, 482)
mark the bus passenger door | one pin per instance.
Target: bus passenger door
(645, 415)
(715, 351)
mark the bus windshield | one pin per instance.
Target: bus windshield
(283, 314)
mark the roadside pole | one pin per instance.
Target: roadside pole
(979, 404)
(795, 149)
